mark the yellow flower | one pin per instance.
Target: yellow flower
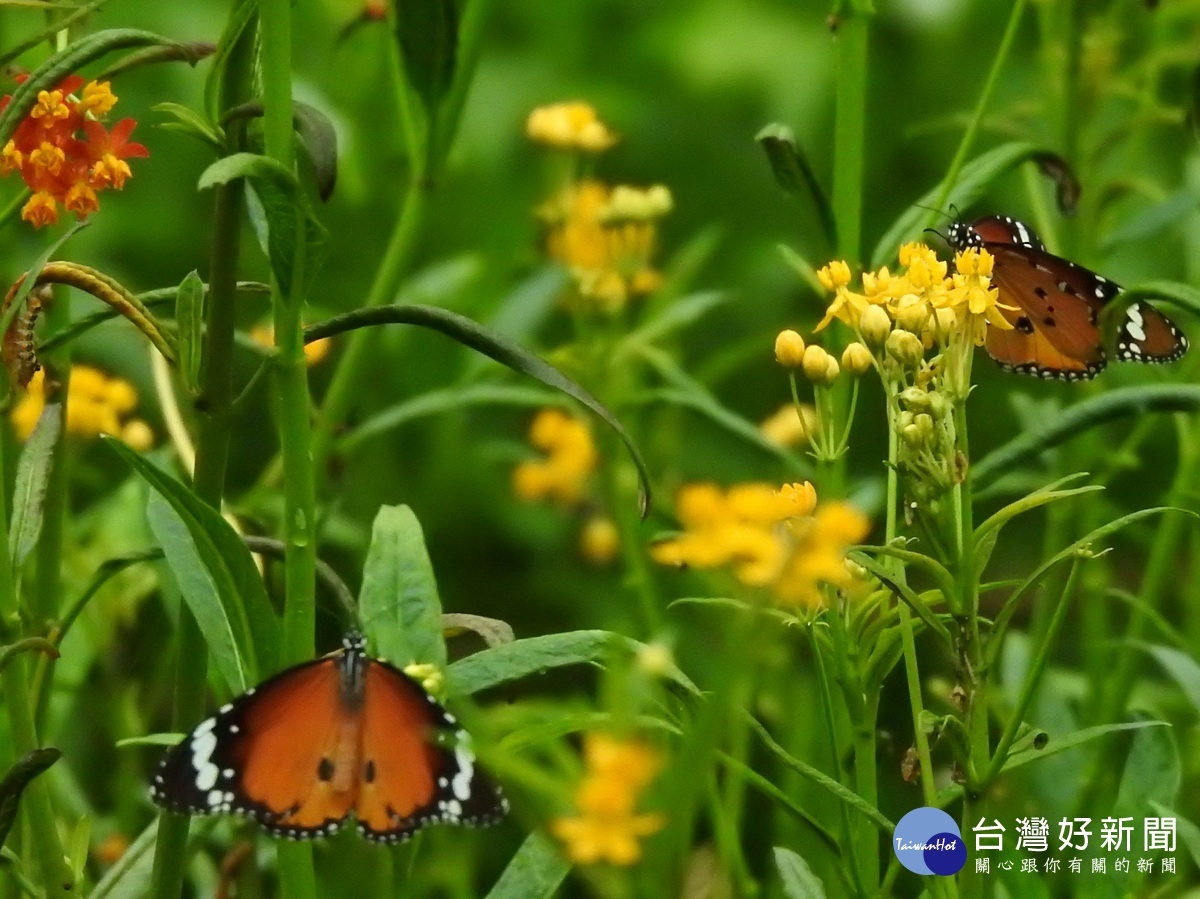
(781, 540)
(789, 426)
(789, 349)
(570, 458)
(834, 275)
(973, 294)
(569, 126)
(606, 828)
(599, 540)
(96, 404)
(856, 359)
(97, 98)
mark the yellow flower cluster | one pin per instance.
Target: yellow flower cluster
(607, 828)
(924, 300)
(606, 236)
(569, 126)
(780, 540)
(96, 404)
(570, 459)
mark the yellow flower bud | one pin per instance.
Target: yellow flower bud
(874, 326)
(906, 348)
(815, 363)
(856, 359)
(924, 425)
(789, 349)
(137, 435)
(915, 399)
(944, 323)
(834, 275)
(912, 313)
(832, 370)
(912, 436)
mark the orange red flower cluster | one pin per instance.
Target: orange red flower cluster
(63, 152)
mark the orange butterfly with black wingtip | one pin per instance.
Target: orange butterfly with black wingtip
(1056, 306)
(342, 734)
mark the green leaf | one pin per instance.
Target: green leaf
(988, 532)
(535, 655)
(1153, 772)
(241, 16)
(1182, 668)
(491, 344)
(398, 604)
(187, 121)
(1114, 404)
(191, 53)
(189, 322)
(33, 478)
(972, 181)
(427, 31)
(319, 141)
(435, 402)
(235, 615)
(799, 881)
(17, 779)
(535, 872)
(1189, 832)
(67, 61)
(251, 166)
(129, 876)
(795, 175)
(675, 317)
(1055, 745)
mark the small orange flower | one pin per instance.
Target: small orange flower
(65, 155)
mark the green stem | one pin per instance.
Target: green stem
(849, 132)
(345, 386)
(913, 679)
(981, 105)
(214, 421)
(295, 406)
(56, 876)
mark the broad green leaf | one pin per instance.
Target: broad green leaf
(1188, 831)
(970, 185)
(427, 32)
(66, 62)
(1182, 668)
(1056, 745)
(435, 402)
(535, 655)
(251, 166)
(189, 322)
(799, 881)
(535, 872)
(225, 630)
(33, 478)
(17, 779)
(1153, 772)
(491, 344)
(795, 175)
(1114, 404)
(398, 605)
(242, 607)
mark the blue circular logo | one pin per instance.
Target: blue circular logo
(928, 841)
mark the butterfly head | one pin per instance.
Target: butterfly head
(961, 235)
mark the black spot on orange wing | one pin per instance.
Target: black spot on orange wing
(418, 767)
(1059, 302)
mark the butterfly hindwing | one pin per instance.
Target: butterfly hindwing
(421, 766)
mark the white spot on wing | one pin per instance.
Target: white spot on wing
(460, 784)
(1135, 325)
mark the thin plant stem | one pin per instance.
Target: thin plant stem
(213, 416)
(294, 404)
(913, 680)
(849, 131)
(981, 105)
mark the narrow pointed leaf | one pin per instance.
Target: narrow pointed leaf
(535, 872)
(795, 175)
(189, 322)
(17, 779)
(33, 478)
(491, 344)
(798, 879)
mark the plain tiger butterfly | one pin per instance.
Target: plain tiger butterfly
(1056, 306)
(340, 735)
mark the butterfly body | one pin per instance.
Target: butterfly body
(1054, 307)
(338, 736)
